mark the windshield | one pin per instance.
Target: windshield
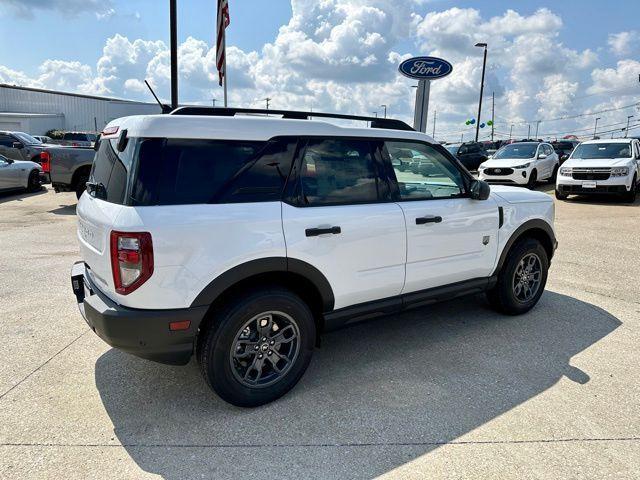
(602, 150)
(517, 150)
(27, 139)
(453, 149)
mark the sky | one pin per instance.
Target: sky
(555, 66)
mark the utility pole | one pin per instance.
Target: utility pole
(537, 125)
(174, 52)
(510, 131)
(529, 133)
(375, 113)
(626, 131)
(484, 65)
(462, 138)
(267, 100)
(435, 112)
(595, 128)
(214, 102)
(493, 112)
(385, 110)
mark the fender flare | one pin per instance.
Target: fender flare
(267, 265)
(535, 224)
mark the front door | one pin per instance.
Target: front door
(341, 220)
(450, 237)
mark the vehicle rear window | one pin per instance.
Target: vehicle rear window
(192, 171)
(82, 137)
(110, 170)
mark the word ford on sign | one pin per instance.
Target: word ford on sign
(425, 68)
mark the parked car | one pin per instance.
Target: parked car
(70, 168)
(601, 167)
(564, 148)
(78, 139)
(19, 174)
(241, 238)
(521, 163)
(470, 154)
(21, 146)
(42, 138)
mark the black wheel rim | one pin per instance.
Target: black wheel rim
(527, 278)
(265, 349)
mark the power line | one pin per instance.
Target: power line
(571, 117)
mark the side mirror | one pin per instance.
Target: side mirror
(17, 145)
(542, 156)
(480, 190)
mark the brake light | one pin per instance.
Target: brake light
(131, 260)
(45, 161)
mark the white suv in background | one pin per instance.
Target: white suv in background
(601, 167)
(521, 163)
(243, 237)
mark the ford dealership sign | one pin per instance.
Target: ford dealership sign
(425, 68)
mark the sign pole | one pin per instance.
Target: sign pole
(224, 65)
(422, 106)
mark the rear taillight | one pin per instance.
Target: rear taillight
(131, 260)
(45, 161)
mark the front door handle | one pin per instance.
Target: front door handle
(314, 232)
(429, 219)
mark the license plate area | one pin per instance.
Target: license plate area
(589, 184)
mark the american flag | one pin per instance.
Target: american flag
(223, 22)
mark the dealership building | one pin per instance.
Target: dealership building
(36, 111)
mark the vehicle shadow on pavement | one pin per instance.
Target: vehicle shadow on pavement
(19, 195)
(64, 210)
(376, 395)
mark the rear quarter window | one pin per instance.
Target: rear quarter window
(111, 169)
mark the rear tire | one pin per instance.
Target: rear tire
(258, 347)
(533, 179)
(522, 279)
(33, 183)
(554, 175)
(81, 185)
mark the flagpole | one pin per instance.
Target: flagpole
(224, 64)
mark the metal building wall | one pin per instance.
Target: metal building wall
(81, 113)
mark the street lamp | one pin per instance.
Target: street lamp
(626, 132)
(510, 131)
(484, 65)
(595, 129)
(385, 110)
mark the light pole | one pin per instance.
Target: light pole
(214, 102)
(484, 65)
(173, 31)
(595, 129)
(510, 131)
(626, 131)
(267, 100)
(529, 133)
(537, 125)
(435, 116)
(385, 110)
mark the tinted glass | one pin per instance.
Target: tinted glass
(110, 170)
(75, 136)
(338, 171)
(435, 176)
(452, 149)
(602, 150)
(187, 171)
(26, 139)
(517, 150)
(6, 140)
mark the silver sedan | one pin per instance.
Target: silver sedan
(19, 174)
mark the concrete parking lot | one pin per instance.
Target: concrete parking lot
(450, 391)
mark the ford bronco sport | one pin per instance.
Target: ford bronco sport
(241, 237)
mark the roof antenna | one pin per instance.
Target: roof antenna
(165, 108)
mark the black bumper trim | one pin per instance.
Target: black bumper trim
(144, 333)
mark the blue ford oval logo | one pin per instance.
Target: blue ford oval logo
(425, 68)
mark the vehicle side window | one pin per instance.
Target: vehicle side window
(435, 176)
(549, 150)
(474, 149)
(463, 149)
(339, 171)
(6, 140)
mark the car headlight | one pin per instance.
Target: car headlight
(481, 166)
(524, 165)
(565, 171)
(620, 172)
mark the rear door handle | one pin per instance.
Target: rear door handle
(429, 219)
(314, 232)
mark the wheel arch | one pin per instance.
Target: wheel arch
(536, 228)
(302, 278)
(75, 178)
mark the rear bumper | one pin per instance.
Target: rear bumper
(599, 189)
(144, 333)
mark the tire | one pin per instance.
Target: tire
(33, 183)
(631, 195)
(533, 179)
(505, 296)
(560, 195)
(228, 361)
(554, 175)
(81, 185)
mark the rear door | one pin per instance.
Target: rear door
(450, 237)
(339, 218)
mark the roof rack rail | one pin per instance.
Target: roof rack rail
(388, 123)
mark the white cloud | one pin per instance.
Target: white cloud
(624, 43)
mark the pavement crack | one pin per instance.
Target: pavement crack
(5, 393)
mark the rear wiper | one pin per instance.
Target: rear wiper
(97, 190)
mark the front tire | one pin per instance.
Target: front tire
(631, 195)
(560, 195)
(533, 179)
(522, 279)
(33, 183)
(258, 348)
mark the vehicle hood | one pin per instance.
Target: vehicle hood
(519, 194)
(597, 162)
(506, 162)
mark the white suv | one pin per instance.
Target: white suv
(521, 163)
(242, 237)
(601, 167)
